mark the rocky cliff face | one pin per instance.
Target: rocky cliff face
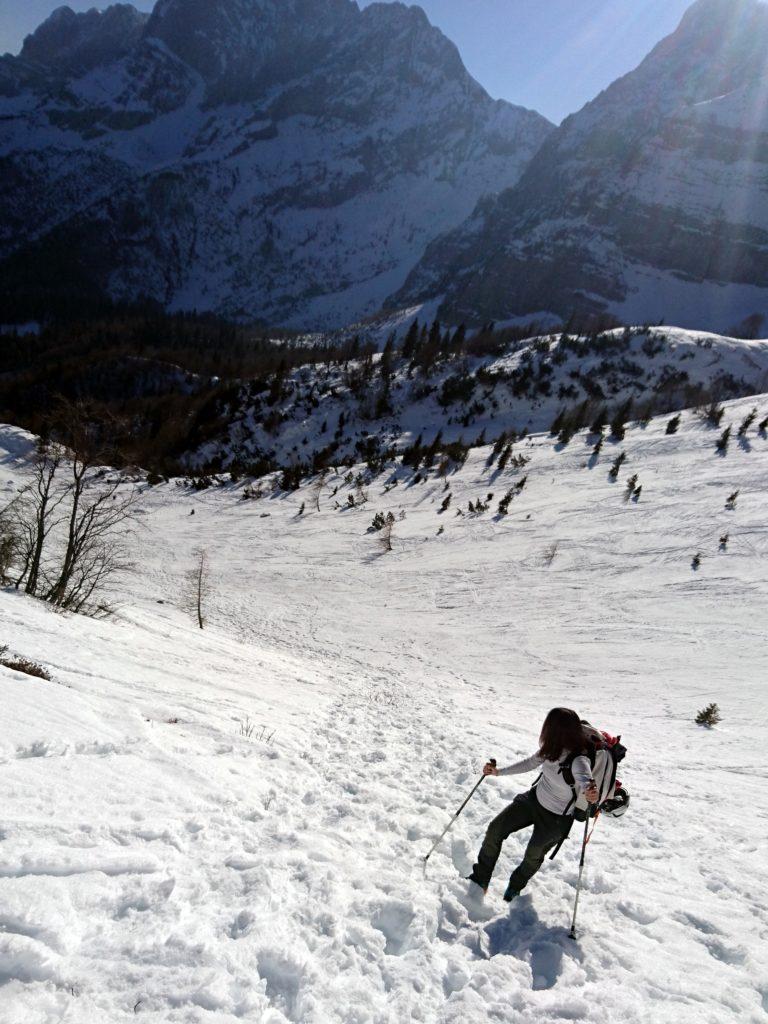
(652, 202)
(280, 160)
(68, 43)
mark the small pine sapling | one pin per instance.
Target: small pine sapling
(673, 424)
(441, 529)
(636, 495)
(714, 413)
(722, 443)
(598, 423)
(618, 462)
(747, 422)
(630, 487)
(709, 716)
(762, 427)
(618, 423)
(504, 458)
(445, 504)
(504, 503)
(696, 561)
(557, 423)
(730, 503)
(498, 447)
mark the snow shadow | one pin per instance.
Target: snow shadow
(523, 935)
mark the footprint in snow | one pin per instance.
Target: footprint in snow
(461, 856)
(394, 920)
(242, 925)
(284, 978)
(469, 898)
(719, 951)
(374, 755)
(636, 913)
(701, 925)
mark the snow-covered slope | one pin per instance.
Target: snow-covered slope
(649, 203)
(517, 386)
(282, 161)
(157, 864)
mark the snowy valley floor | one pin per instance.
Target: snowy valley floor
(157, 864)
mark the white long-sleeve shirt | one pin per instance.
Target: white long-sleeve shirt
(552, 791)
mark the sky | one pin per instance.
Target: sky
(551, 55)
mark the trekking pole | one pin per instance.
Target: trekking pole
(451, 823)
(587, 837)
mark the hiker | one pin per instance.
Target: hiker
(549, 805)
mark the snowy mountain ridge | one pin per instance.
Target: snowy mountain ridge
(648, 204)
(284, 162)
(461, 389)
(229, 824)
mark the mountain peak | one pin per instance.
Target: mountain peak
(721, 28)
(729, 12)
(67, 41)
(243, 39)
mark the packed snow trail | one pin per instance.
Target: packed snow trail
(230, 824)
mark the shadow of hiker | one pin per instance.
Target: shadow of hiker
(523, 935)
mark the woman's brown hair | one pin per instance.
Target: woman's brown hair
(562, 730)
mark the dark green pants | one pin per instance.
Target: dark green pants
(548, 830)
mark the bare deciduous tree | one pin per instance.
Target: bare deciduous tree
(317, 487)
(37, 513)
(10, 539)
(385, 534)
(198, 585)
(63, 532)
(550, 553)
(93, 552)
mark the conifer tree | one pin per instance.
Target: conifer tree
(673, 424)
(618, 462)
(747, 422)
(411, 341)
(709, 716)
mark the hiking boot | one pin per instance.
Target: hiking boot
(482, 888)
(510, 894)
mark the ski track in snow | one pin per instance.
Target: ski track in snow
(157, 864)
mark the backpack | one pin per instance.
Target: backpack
(604, 753)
